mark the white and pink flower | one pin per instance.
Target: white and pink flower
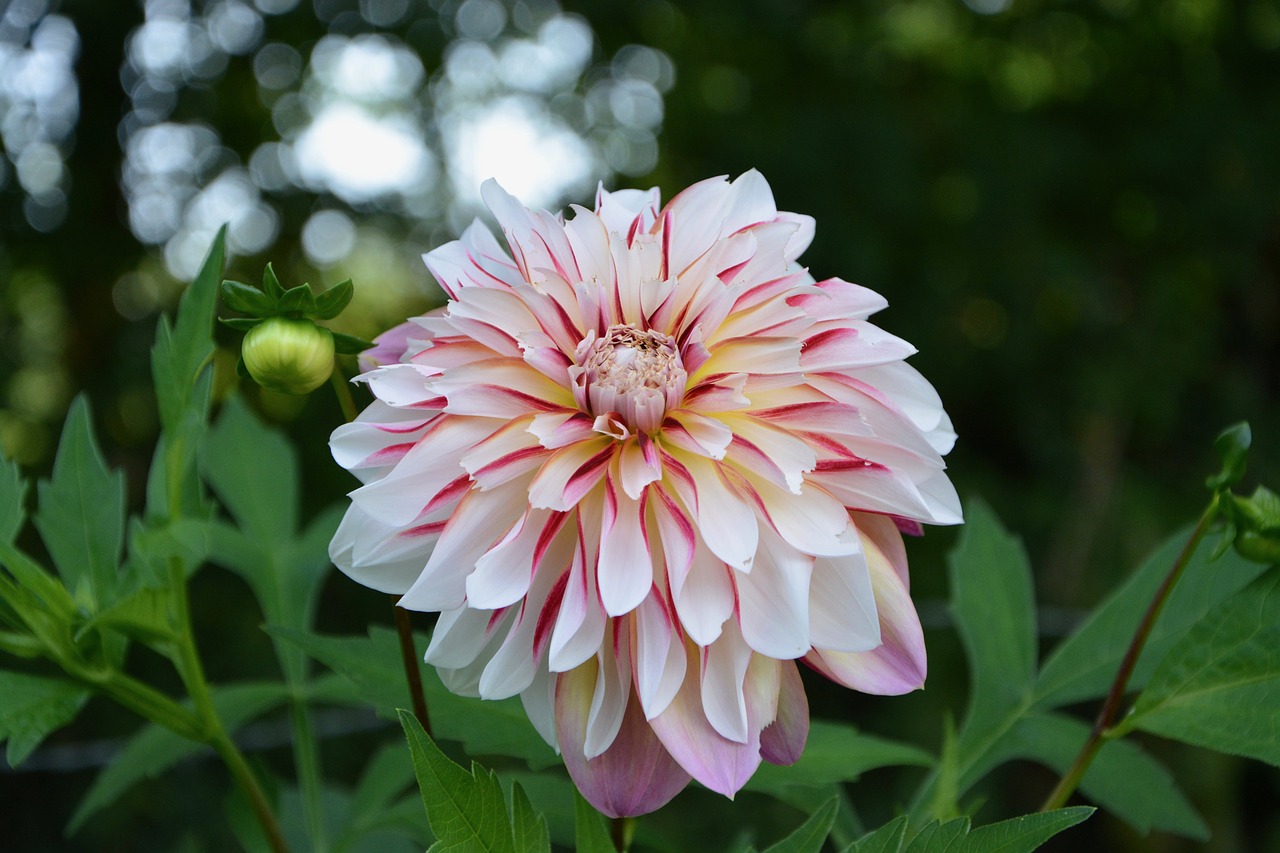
(642, 465)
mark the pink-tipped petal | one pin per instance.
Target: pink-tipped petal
(783, 740)
(636, 774)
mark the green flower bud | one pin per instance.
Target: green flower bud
(293, 356)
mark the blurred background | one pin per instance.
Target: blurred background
(1073, 207)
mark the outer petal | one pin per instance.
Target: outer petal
(898, 665)
(636, 774)
(783, 740)
(721, 764)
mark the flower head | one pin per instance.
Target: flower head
(641, 465)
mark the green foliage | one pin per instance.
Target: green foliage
(372, 665)
(810, 835)
(13, 496)
(1123, 779)
(886, 839)
(995, 617)
(1018, 835)
(1219, 686)
(273, 300)
(254, 471)
(591, 833)
(466, 810)
(1232, 447)
(81, 514)
(836, 752)
(153, 749)
(32, 708)
(1082, 666)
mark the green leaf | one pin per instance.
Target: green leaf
(181, 353)
(1083, 665)
(153, 749)
(939, 837)
(254, 471)
(1022, 834)
(810, 835)
(528, 827)
(333, 301)
(34, 707)
(886, 839)
(995, 616)
(145, 615)
(246, 299)
(1219, 686)
(1123, 779)
(466, 810)
(349, 345)
(592, 832)
(13, 499)
(271, 284)
(837, 752)
(484, 727)
(1232, 447)
(81, 514)
(297, 301)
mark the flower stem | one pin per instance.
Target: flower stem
(343, 392)
(307, 765)
(1111, 707)
(621, 830)
(213, 733)
(409, 657)
(240, 771)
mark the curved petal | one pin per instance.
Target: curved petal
(636, 774)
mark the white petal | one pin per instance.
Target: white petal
(773, 599)
(842, 605)
(625, 571)
(724, 667)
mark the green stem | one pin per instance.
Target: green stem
(1111, 707)
(621, 831)
(307, 764)
(343, 392)
(214, 733)
(412, 671)
(240, 771)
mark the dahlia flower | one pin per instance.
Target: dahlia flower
(642, 465)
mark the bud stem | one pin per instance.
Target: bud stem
(1111, 707)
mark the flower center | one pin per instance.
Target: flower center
(633, 373)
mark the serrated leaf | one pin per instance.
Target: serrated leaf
(333, 301)
(810, 835)
(1083, 666)
(1219, 686)
(349, 344)
(33, 708)
(1023, 834)
(591, 833)
(940, 837)
(837, 752)
(466, 810)
(153, 749)
(13, 499)
(246, 299)
(484, 727)
(529, 829)
(886, 839)
(254, 471)
(81, 513)
(1123, 779)
(995, 615)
